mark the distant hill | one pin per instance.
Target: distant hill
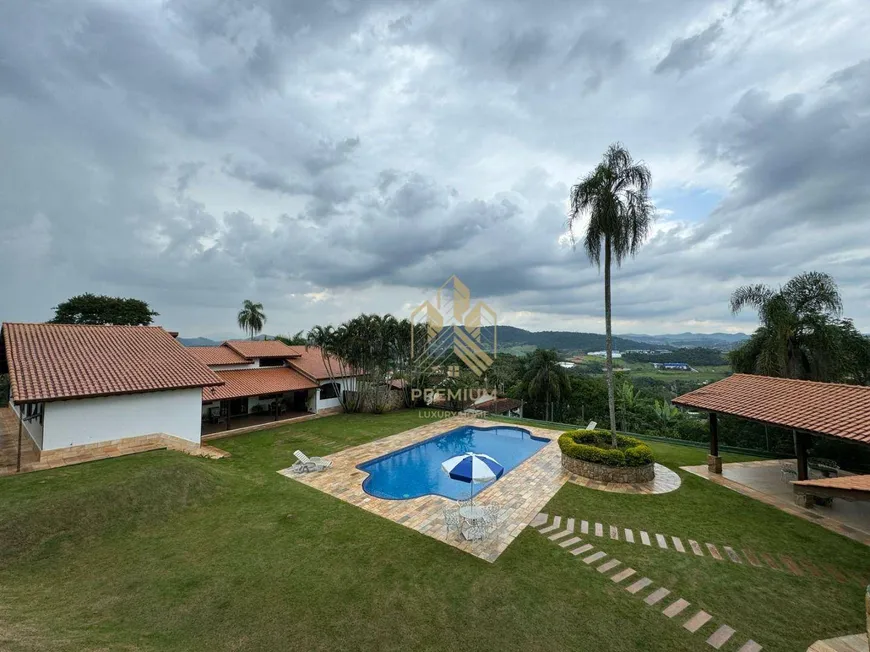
(720, 341)
(564, 341)
(197, 341)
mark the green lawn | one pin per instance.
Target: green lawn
(162, 551)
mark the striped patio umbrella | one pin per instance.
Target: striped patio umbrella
(473, 467)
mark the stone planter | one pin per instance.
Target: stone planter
(603, 473)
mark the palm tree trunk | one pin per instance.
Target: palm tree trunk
(608, 365)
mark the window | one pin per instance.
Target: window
(329, 390)
(271, 362)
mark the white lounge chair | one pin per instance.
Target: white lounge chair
(592, 425)
(307, 464)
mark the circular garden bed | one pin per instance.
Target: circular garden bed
(590, 454)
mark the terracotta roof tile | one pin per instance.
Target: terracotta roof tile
(841, 411)
(847, 482)
(49, 362)
(261, 348)
(310, 361)
(217, 355)
(255, 382)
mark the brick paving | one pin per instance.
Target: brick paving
(520, 494)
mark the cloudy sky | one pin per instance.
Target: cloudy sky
(328, 157)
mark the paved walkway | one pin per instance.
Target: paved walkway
(718, 552)
(520, 494)
(762, 481)
(693, 620)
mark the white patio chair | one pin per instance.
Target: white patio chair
(491, 517)
(451, 518)
(311, 463)
(592, 425)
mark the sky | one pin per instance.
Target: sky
(333, 157)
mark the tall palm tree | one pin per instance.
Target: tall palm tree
(800, 335)
(545, 379)
(251, 317)
(614, 198)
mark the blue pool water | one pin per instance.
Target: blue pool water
(416, 471)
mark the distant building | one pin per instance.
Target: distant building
(566, 365)
(672, 366)
(603, 354)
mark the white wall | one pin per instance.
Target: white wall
(33, 428)
(343, 384)
(86, 421)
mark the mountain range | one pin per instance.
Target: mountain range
(570, 341)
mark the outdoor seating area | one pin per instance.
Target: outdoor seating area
(471, 521)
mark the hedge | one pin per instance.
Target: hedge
(594, 446)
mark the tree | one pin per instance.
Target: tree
(298, 339)
(628, 400)
(801, 335)
(614, 197)
(251, 317)
(92, 309)
(665, 413)
(545, 379)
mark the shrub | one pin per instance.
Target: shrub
(594, 446)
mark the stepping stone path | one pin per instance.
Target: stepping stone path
(591, 559)
(733, 556)
(657, 596)
(697, 621)
(623, 574)
(675, 608)
(716, 640)
(639, 585)
(557, 521)
(608, 565)
(714, 552)
(720, 637)
(784, 564)
(751, 557)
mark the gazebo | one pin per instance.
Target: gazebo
(806, 408)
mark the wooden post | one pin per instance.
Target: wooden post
(229, 407)
(18, 463)
(800, 449)
(714, 461)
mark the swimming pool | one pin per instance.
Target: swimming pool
(416, 470)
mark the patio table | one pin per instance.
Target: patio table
(474, 517)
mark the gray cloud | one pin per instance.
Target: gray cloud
(328, 158)
(689, 53)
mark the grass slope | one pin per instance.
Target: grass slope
(162, 551)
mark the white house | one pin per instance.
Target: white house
(72, 385)
(75, 385)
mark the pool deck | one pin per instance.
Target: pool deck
(521, 493)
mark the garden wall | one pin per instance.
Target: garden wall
(603, 473)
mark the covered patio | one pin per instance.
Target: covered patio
(252, 397)
(808, 409)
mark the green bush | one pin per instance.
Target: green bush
(595, 446)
